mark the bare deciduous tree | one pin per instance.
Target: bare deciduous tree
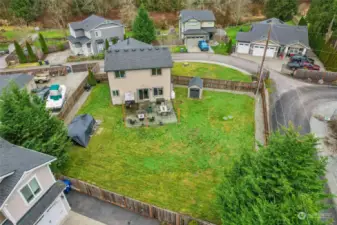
(128, 12)
(59, 11)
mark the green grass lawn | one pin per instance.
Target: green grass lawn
(221, 49)
(177, 49)
(290, 22)
(176, 166)
(54, 33)
(232, 31)
(206, 70)
(3, 46)
(15, 33)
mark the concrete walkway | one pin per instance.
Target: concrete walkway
(104, 212)
(77, 107)
(78, 219)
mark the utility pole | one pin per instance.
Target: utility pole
(263, 59)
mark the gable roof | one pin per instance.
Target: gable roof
(131, 54)
(20, 79)
(17, 159)
(91, 22)
(201, 15)
(272, 21)
(283, 34)
(196, 81)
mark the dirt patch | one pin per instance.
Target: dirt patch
(99, 131)
(330, 141)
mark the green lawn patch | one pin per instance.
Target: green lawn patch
(3, 46)
(176, 166)
(290, 22)
(54, 33)
(206, 70)
(232, 31)
(221, 49)
(177, 49)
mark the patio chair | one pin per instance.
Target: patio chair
(152, 119)
(132, 122)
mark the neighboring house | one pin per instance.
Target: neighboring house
(22, 80)
(29, 193)
(138, 72)
(284, 39)
(88, 37)
(196, 25)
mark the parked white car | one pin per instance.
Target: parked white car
(56, 97)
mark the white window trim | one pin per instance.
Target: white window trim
(115, 96)
(157, 88)
(120, 77)
(156, 74)
(35, 196)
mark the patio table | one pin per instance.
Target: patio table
(141, 116)
(163, 109)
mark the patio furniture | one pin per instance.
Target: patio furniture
(159, 101)
(132, 122)
(163, 110)
(149, 109)
(141, 116)
(152, 119)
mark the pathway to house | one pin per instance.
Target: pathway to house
(101, 212)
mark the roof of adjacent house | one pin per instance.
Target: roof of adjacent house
(272, 21)
(201, 15)
(195, 31)
(20, 79)
(280, 33)
(34, 213)
(82, 40)
(135, 55)
(91, 22)
(196, 81)
(17, 159)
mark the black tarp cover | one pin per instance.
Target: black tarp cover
(80, 129)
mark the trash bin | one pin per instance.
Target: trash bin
(68, 186)
(46, 62)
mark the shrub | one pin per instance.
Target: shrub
(31, 55)
(60, 46)
(229, 46)
(302, 22)
(43, 44)
(20, 53)
(91, 79)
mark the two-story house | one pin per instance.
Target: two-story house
(138, 72)
(88, 37)
(195, 25)
(29, 193)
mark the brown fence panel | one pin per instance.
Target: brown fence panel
(102, 77)
(83, 67)
(144, 209)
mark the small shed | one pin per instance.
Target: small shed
(195, 87)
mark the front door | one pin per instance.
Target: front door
(143, 94)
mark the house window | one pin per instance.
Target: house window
(120, 74)
(158, 91)
(156, 71)
(97, 33)
(115, 93)
(30, 190)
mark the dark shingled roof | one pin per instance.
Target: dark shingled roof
(136, 55)
(281, 33)
(20, 79)
(196, 81)
(272, 21)
(19, 160)
(82, 40)
(201, 15)
(34, 213)
(195, 31)
(91, 22)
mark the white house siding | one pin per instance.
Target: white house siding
(16, 205)
(192, 25)
(140, 79)
(242, 47)
(75, 50)
(207, 24)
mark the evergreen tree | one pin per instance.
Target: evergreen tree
(28, 10)
(229, 46)
(20, 53)
(31, 55)
(107, 44)
(302, 22)
(282, 9)
(26, 122)
(91, 79)
(276, 184)
(43, 44)
(114, 40)
(143, 27)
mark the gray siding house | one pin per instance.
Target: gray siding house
(196, 25)
(87, 37)
(29, 193)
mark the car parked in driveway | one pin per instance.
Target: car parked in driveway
(301, 58)
(203, 45)
(41, 92)
(302, 65)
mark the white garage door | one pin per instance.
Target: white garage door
(193, 41)
(243, 48)
(258, 50)
(53, 215)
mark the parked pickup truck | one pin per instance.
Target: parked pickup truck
(203, 45)
(302, 65)
(301, 58)
(41, 77)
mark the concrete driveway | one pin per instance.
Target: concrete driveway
(58, 57)
(193, 49)
(78, 219)
(104, 212)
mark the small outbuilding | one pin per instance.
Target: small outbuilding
(80, 129)
(195, 87)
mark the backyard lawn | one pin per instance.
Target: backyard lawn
(206, 70)
(54, 33)
(232, 31)
(176, 166)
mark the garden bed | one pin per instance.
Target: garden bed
(175, 166)
(206, 70)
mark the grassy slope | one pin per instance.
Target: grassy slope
(176, 166)
(232, 31)
(54, 33)
(205, 70)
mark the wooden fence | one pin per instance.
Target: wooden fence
(84, 67)
(144, 209)
(59, 70)
(219, 84)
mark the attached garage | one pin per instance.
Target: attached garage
(193, 40)
(243, 48)
(258, 50)
(195, 87)
(55, 214)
